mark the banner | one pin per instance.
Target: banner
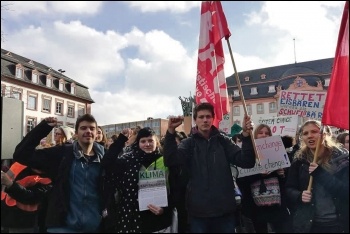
(336, 109)
(283, 125)
(210, 81)
(302, 103)
(272, 154)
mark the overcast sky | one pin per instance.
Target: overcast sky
(137, 58)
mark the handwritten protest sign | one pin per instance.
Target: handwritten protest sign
(302, 103)
(283, 125)
(272, 154)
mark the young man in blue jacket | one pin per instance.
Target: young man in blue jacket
(74, 203)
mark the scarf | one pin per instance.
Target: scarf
(128, 212)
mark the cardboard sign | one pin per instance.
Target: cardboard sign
(283, 125)
(302, 103)
(272, 154)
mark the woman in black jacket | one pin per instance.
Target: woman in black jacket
(325, 208)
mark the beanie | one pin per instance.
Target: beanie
(68, 131)
(144, 132)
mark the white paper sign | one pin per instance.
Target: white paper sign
(272, 154)
(152, 189)
(282, 125)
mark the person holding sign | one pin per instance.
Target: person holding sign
(142, 184)
(264, 199)
(325, 208)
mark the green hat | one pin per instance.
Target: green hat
(235, 129)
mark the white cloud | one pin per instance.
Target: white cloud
(19, 8)
(171, 6)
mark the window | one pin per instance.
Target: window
(16, 93)
(31, 122)
(254, 91)
(236, 93)
(32, 101)
(155, 124)
(48, 82)
(236, 110)
(263, 76)
(59, 107)
(61, 86)
(46, 105)
(35, 77)
(249, 109)
(72, 89)
(19, 72)
(260, 108)
(246, 78)
(70, 125)
(326, 82)
(81, 111)
(272, 107)
(70, 110)
(272, 89)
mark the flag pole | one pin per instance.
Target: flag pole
(318, 146)
(243, 100)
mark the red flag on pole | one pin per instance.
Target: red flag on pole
(211, 82)
(336, 108)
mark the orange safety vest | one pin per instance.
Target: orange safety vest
(27, 181)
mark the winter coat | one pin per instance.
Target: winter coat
(210, 190)
(57, 163)
(337, 184)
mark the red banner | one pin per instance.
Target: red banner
(336, 108)
(211, 82)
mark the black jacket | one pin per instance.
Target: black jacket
(210, 191)
(336, 184)
(56, 162)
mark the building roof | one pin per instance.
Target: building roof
(9, 60)
(283, 75)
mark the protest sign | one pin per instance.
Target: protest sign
(282, 125)
(302, 103)
(272, 154)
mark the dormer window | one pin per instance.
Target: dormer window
(19, 72)
(9, 54)
(61, 85)
(246, 78)
(48, 81)
(236, 93)
(326, 82)
(72, 88)
(31, 62)
(35, 77)
(254, 91)
(263, 76)
(272, 89)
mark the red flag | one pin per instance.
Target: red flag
(211, 82)
(336, 108)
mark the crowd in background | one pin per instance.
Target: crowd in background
(66, 180)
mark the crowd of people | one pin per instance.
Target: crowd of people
(83, 182)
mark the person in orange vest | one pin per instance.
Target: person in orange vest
(23, 190)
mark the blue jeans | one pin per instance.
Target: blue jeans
(221, 224)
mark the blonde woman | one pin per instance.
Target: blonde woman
(324, 209)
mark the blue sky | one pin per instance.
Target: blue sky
(137, 58)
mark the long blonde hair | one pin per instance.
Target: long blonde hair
(328, 144)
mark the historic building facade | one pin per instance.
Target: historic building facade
(44, 91)
(261, 87)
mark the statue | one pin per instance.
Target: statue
(187, 104)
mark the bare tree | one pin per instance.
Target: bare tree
(4, 7)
